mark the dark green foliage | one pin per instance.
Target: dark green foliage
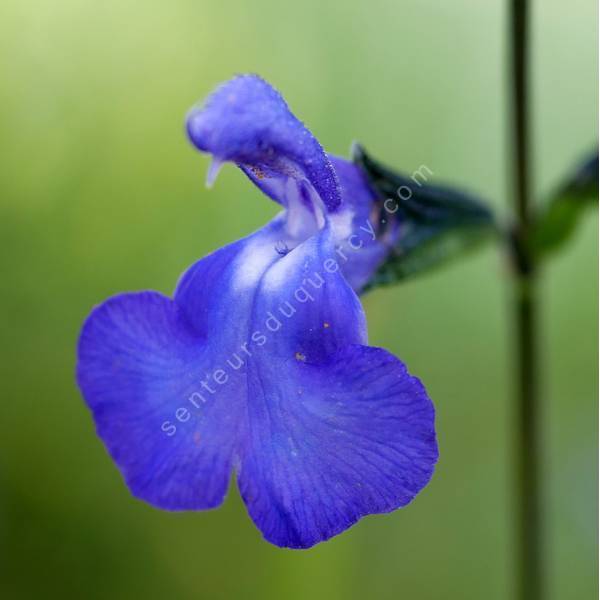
(557, 223)
(434, 223)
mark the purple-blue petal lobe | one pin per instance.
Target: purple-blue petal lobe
(333, 442)
(315, 310)
(138, 363)
(248, 122)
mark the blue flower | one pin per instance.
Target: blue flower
(259, 363)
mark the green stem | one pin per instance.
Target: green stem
(527, 455)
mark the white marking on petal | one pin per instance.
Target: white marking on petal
(283, 271)
(253, 261)
(341, 223)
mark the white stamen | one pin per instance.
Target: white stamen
(213, 170)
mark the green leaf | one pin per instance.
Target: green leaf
(431, 224)
(558, 221)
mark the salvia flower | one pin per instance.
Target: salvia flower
(259, 363)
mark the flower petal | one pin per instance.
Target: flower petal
(336, 430)
(140, 365)
(306, 293)
(333, 442)
(248, 122)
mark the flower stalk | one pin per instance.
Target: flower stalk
(527, 451)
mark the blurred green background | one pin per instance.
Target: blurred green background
(100, 192)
